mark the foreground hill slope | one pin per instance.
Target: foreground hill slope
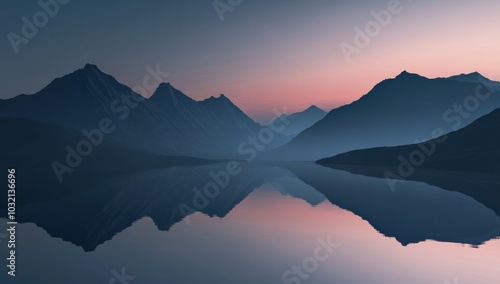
(474, 148)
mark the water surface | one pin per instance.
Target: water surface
(268, 219)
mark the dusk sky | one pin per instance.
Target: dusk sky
(265, 54)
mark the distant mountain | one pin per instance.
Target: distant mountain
(395, 112)
(168, 123)
(474, 148)
(477, 78)
(300, 121)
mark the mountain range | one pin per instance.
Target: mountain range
(397, 111)
(145, 166)
(168, 123)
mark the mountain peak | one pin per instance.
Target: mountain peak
(90, 66)
(407, 75)
(165, 84)
(474, 74)
(314, 108)
(88, 70)
(404, 74)
(89, 77)
(221, 97)
(166, 93)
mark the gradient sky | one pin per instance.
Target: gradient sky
(265, 54)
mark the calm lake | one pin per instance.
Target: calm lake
(269, 223)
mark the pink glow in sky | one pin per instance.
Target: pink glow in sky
(434, 41)
(266, 54)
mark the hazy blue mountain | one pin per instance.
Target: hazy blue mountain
(168, 123)
(212, 127)
(474, 148)
(300, 121)
(397, 111)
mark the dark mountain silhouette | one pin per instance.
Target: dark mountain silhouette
(78, 100)
(300, 121)
(474, 148)
(395, 112)
(168, 123)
